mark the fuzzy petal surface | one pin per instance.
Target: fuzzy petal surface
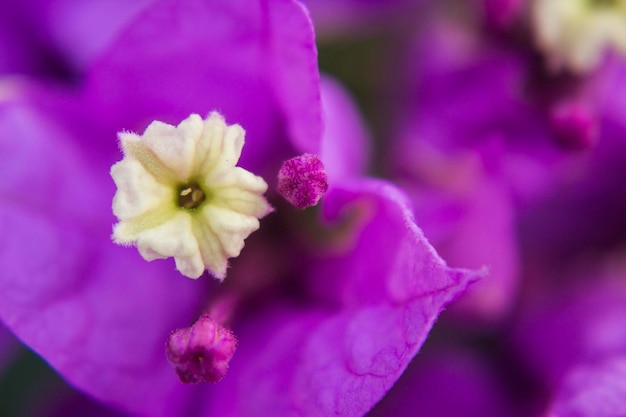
(340, 355)
(98, 313)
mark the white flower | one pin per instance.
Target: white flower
(576, 33)
(179, 194)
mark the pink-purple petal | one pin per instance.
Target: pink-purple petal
(346, 141)
(339, 356)
(448, 382)
(199, 56)
(596, 389)
(574, 328)
(391, 285)
(67, 291)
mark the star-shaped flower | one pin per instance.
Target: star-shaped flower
(180, 194)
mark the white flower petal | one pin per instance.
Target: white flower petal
(240, 178)
(190, 266)
(243, 201)
(137, 190)
(213, 255)
(173, 238)
(181, 195)
(127, 231)
(220, 147)
(164, 145)
(230, 228)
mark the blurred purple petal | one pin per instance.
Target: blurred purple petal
(59, 38)
(452, 383)
(171, 63)
(587, 325)
(597, 390)
(346, 141)
(81, 29)
(469, 217)
(485, 236)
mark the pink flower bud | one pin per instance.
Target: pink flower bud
(201, 353)
(302, 180)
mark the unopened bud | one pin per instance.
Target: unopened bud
(202, 352)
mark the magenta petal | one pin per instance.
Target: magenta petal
(98, 313)
(575, 328)
(328, 359)
(597, 390)
(346, 141)
(59, 37)
(296, 82)
(389, 245)
(19, 52)
(38, 163)
(448, 383)
(483, 235)
(253, 61)
(81, 29)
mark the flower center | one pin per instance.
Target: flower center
(181, 194)
(190, 196)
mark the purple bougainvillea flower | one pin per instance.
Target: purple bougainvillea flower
(327, 313)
